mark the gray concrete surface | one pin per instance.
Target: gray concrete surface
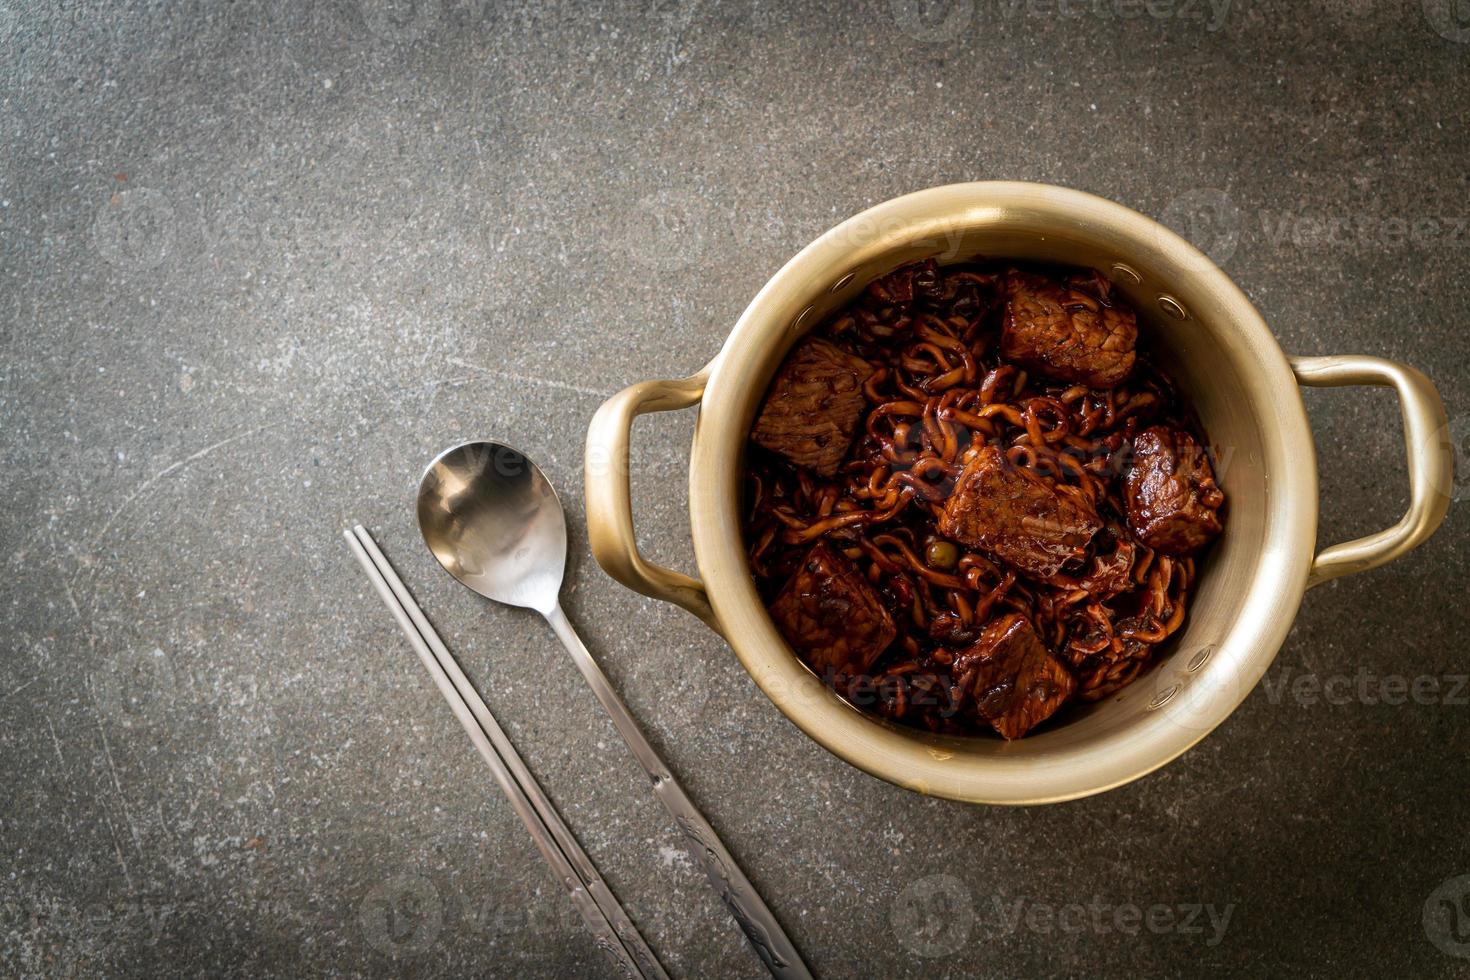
(259, 260)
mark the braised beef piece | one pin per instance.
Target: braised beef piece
(831, 614)
(812, 410)
(1015, 682)
(1015, 516)
(1068, 332)
(1173, 502)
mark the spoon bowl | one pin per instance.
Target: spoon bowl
(494, 522)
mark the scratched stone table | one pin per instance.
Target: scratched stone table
(258, 261)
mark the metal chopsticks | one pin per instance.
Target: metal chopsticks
(614, 932)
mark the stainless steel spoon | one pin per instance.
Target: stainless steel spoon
(495, 523)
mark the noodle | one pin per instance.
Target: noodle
(940, 388)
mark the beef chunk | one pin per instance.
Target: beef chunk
(1015, 681)
(1171, 493)
(1067, 332)
(832, 615)
(813, 407)
(1015, 516)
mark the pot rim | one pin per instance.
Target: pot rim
(1043, 768)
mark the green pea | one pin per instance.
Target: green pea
(941, 555)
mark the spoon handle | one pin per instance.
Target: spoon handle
(739, 895)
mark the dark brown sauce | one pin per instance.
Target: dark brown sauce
(1001, 405)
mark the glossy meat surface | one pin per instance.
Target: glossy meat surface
(1015, 683)
(814, 405)
(830, 613)
(1067, 331)
(1173, 502)
(1016, 516)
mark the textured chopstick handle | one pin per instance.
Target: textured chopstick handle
(613, 933)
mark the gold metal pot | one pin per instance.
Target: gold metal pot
(1205, 332)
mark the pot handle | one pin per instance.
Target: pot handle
(609, 501)
(1430, 454)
